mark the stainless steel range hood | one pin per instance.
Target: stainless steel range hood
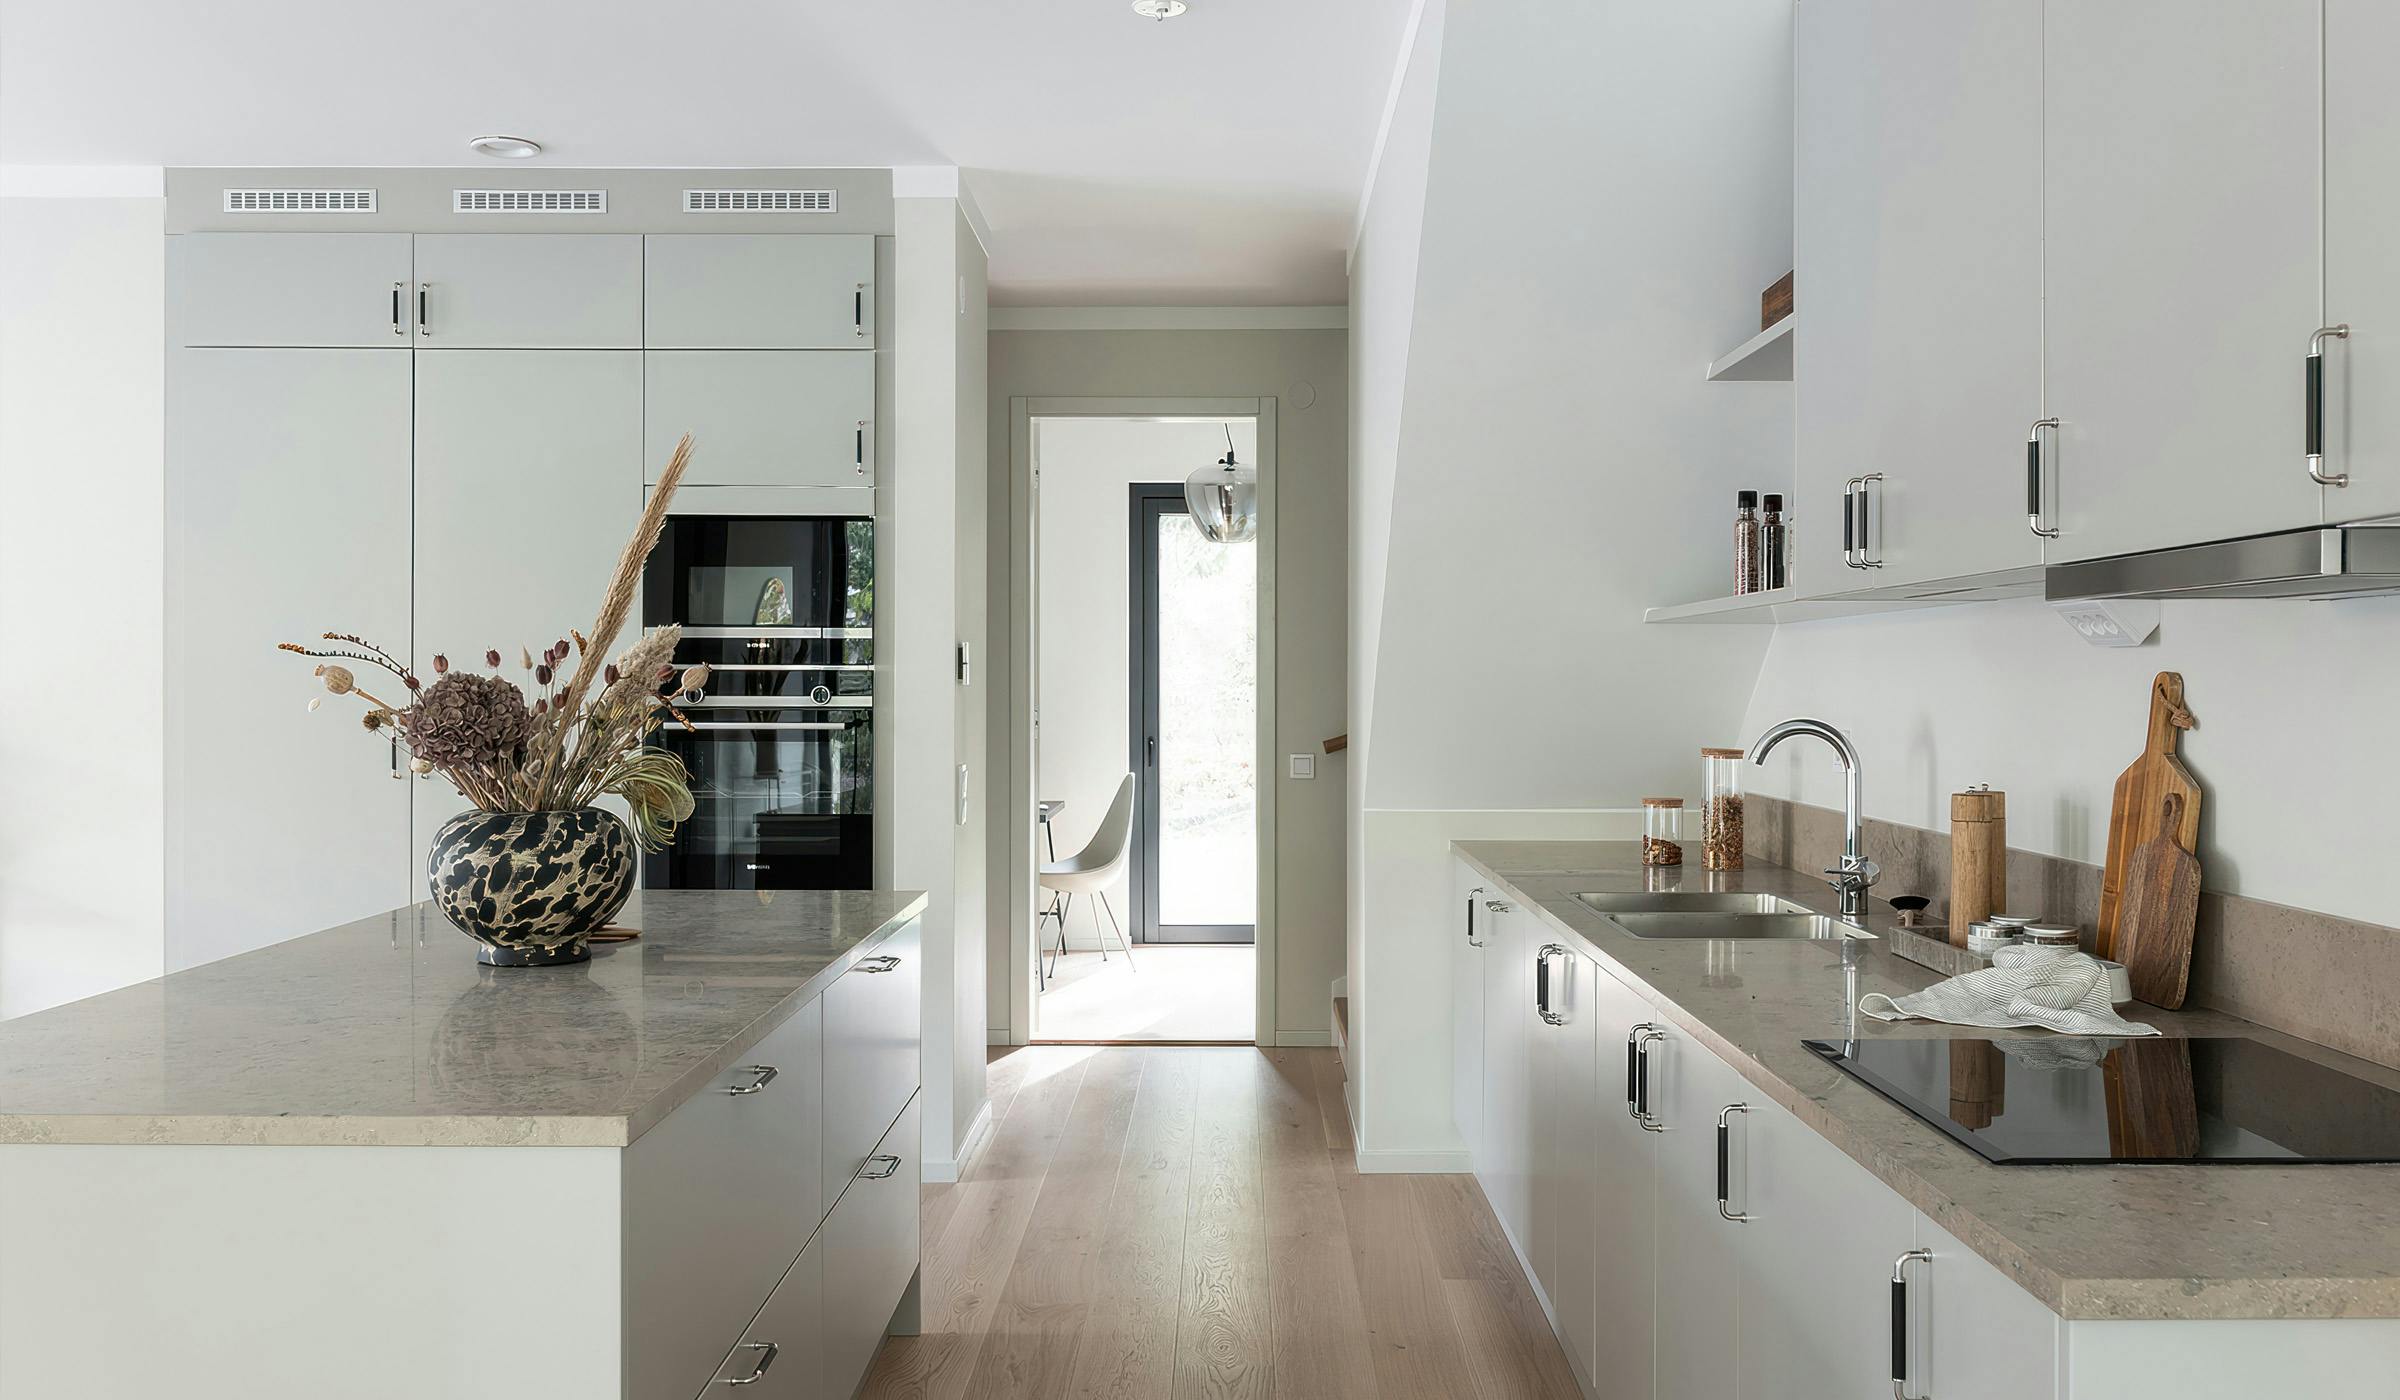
(2333, 561)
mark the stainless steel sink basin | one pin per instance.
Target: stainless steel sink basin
(1716, 914)
(1695, 902)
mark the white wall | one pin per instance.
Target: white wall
(1607, 190)
(82, 539)
(1087, 465)
(2293, 699)
(971, 355)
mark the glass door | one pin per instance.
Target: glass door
(1194, 704)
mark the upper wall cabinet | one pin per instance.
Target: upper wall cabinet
(297, 290)
(1918, 241)
(2362, 281)
(778, 418)
(528, 291)
(761, 292)
(2182, 223)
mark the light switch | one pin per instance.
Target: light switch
(1304, 765)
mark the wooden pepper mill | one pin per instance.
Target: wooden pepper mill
(1978, 858)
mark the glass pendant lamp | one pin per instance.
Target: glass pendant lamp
(1223, 497)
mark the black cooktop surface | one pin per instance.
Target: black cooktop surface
(2058, 1099)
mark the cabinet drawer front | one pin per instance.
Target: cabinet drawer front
(719, 1198)
(782, 1356)
(871, 1055)
(761, 291)
(529, 291)
(870, 1251)
(302, 290)
(771, 418)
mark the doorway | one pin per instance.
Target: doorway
(1145, 656)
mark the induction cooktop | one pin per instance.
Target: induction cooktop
(2062, 1099)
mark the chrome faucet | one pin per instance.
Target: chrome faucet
(1856, 873)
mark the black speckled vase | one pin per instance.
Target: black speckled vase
(531, 887)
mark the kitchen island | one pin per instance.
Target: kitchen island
(359, 1163)
(1748, 1215)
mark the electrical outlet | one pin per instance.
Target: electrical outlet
(2111, 622)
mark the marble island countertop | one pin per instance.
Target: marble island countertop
(387, 1032)
(2091, 1242)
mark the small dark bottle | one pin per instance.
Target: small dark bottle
(1745, 543)
(1774, 545)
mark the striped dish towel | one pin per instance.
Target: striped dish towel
(2061, 991)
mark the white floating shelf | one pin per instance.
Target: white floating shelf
(1766, 355)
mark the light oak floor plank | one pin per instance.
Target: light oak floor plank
(1128, 1347)
(1317, 1324)
(1221, 1346)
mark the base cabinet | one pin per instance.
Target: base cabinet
(1700, 1257)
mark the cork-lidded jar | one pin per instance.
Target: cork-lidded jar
(1662, 831)
(1721, 811)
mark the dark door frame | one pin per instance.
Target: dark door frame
(1149, 502)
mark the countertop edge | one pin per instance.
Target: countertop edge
(2072, 1299)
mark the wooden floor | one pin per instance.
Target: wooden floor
(1166, 991)
(1185, 1222)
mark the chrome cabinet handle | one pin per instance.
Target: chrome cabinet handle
(398, 327)
(424, 322)
(858, 310)
(766, 1357)
(1472, 940)
(1541, 984)
(766, 1075)
(859, 446)
(2033, 478)
(1863, 503)
(865, 1175)
(884, 963)
(1725, 1161)
(1849, 524)
(1900, 1321)
(1637, 1075)
(2313, 428)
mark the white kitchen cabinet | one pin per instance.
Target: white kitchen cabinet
(2362, 285)
(1566, 1103)
(1700, 1253)
(1624, 1182)
(763, 417)
(871, 1065)
(287, 517)
(297, 290)
(1918, 243)
(2181, 222)
(1817, 1255)
(783, 1353)
(1508, 1022)
(1979, 1336)
(529, 291)
(1467, 953)
(870, 1251)
(761, 291)
(528, 481)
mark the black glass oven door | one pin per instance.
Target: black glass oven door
(783, 797)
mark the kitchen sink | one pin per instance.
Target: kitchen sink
(1716, 914)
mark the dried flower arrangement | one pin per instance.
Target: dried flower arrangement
(573, 742)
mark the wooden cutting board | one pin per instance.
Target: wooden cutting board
(2160, 909)
(2134, 816)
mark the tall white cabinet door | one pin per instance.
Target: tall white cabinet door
(1976, 1335)
(1623, 1181)
(1817, 1262)
(1918, 239)
(2362, 282)
(764, 418)
(1508, 1021)
(281, 822)
(2181, 193)
(1468, 925)
(761, 291)
(293, 289)
(535, 291)
(1566, 1105)
(528, 482)
(1700, 1253)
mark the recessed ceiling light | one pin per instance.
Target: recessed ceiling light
(506, 147)
(1159, 9)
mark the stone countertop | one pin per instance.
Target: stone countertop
(2091, 1242)
(387, 1032)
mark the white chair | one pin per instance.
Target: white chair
(1091, 871)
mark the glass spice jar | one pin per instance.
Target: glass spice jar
(1721, 810)
(1662, 831)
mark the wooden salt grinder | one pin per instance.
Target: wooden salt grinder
(1978, 858)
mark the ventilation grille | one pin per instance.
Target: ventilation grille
(529, 201)
(758, 201)
(299, 201)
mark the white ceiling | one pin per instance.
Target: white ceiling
(1213, 159)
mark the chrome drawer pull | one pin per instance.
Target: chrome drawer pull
(882, 964)
(766, 1357)
(865, 1175)
(766, 1076)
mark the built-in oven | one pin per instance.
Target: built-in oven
(781, 749)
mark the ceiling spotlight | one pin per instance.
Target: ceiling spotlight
(1159, 9)
(506, 147)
